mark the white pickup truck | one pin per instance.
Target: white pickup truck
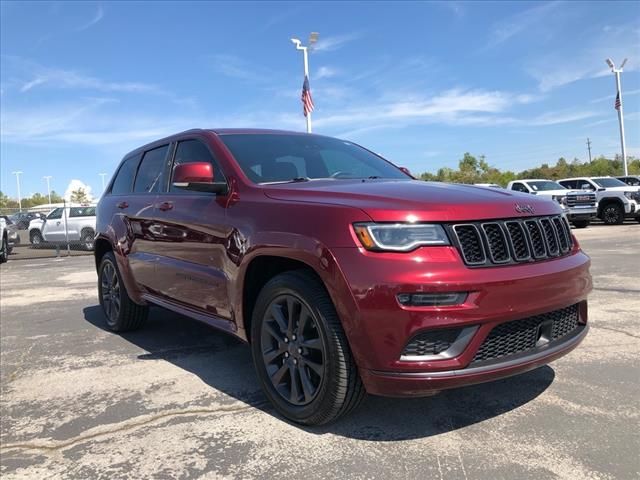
(77, 224)
(616, 199)
(579, 206)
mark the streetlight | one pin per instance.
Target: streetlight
(618, 105)
(17, 174)
(313, 38)
(102, 175)
(47, 178)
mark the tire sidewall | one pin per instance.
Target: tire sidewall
(619, 211)
(299, 413)
(4, 250)
(86, 240)
(36, 235)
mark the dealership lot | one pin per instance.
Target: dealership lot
(180, 400)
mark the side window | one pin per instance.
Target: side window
(82, 212)
(519, 187)
(57, 213)
(124, 178)
(149, 177)
(571, 185)
(585, 185)
(191, 151)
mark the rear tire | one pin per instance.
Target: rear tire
(612, 214)
(581, 223)
(301, 353)
(122, 313)
(87, 239)
(4, 250)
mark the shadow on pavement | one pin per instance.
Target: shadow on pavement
(225, 364)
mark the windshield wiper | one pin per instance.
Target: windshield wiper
(373, 177)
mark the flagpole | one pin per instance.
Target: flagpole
(306, 75)
(617, 72)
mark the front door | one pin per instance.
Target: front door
(53, 228)
(191, 239)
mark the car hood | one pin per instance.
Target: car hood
(627, 188)
(549, 193)
(414, 200)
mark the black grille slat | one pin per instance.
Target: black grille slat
(523, 335)
(562, 234)
(535, 235)
(431, 342)
(550, 237)
(470, 244)
(518, 241)
(497, 242)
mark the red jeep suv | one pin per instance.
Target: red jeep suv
(344, 273)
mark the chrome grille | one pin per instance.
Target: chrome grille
(512, 241)
(581, 200)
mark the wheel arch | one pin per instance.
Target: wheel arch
(608, 201)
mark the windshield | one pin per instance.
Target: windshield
(545, 185)
(266, 158)
(609, 182)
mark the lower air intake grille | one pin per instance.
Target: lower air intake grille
(431, 343)
(523, 335)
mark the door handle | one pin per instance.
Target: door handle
(164, 206)
(123, 205)
(58, 222)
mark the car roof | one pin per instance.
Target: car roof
(534, 180)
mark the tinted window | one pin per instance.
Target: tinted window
(609, 182)
(280, 158)
(57, 213)
(519, 187)
(149, 176)
(191, 151)
(82, 212)
(124, 178)
(545, 185)
(569, 184)
(635, 181)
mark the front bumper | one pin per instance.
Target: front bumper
(379, 327)
(581, 213)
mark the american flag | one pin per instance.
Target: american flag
(307, 101)
(618, 104)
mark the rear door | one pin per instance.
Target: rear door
(192, 238)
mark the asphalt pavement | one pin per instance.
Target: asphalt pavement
(180, 400)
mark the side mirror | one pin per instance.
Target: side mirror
(198, 177)
(406, 170)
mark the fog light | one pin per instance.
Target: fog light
(431, 299)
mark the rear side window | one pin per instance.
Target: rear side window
(149, 177)
(82, 212)
(124, 179)
(191, 151)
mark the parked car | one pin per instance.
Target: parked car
(633, 180)
(4, 240)
(344, 274)
(488, 185)
(580, 206)
(13, 238)
(616, 199)
(80, 227)
(22, 219)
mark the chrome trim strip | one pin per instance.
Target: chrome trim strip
(546, 351)
(455, 349)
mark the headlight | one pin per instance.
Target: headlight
(632, 195)
(561, 199)
(399, 237)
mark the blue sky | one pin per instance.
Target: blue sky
(523, 83)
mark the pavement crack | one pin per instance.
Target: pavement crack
(616, 330)
(123, 427)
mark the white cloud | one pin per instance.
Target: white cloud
(325, 72)
(95, 19)
(328, 44)
(554, 118)
(507, 28)
(611, 97)
(75, 185)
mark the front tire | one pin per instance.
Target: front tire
(581, 223)
(612, 214)
(122, 313)
(87, 239)
(35, 237)
(4, 250)
(301, 353)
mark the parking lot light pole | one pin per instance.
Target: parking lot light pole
(17, 174)
(102, 175)
(48, 178)
(619, 107)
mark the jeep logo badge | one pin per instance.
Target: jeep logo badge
(524, 208)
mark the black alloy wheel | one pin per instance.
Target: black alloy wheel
(292, 350)
(110, 293)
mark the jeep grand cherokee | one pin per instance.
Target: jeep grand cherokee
(345, 274)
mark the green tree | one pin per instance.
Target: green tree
(79, 196)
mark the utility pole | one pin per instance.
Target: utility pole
(589, 148)
(17, 174)
(313, 38)
(47, 178)
(102, 175)
(618, 106)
